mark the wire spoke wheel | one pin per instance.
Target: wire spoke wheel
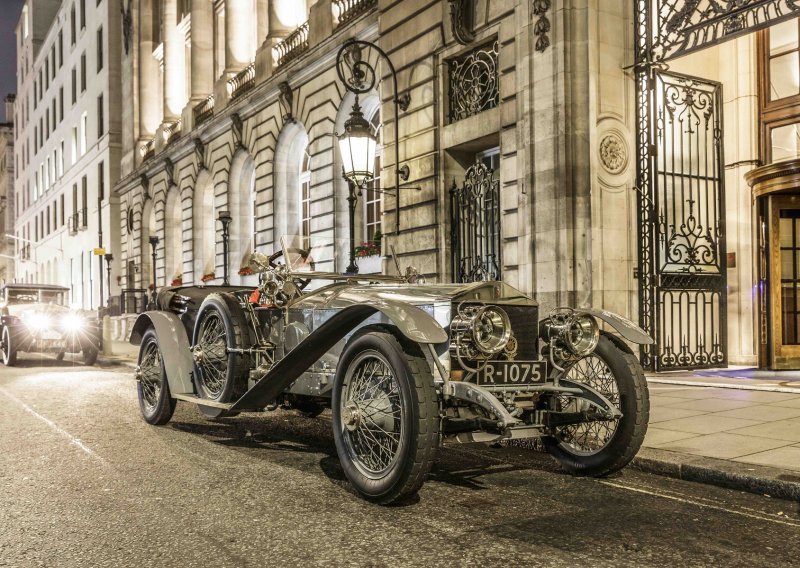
(589, 437)
(212, 343)
(372, 411)
(150, 377)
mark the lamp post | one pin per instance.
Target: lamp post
(358, 143)
(153, 245)
(352, 268)
(225, 219)
(109, 257)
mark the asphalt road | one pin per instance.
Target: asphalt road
(85, 482)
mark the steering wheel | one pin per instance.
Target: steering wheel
(304, 254)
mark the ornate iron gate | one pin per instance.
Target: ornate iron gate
(475, 225)
(681, 199)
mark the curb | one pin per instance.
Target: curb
(764, 480)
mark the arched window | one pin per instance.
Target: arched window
(204, 227)
(241, 204)
(305, 199)
(173, 238)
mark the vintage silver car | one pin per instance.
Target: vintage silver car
(403, 365)
(35, 318)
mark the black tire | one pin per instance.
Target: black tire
(219, 375)
(155, 401)
(617, 448)
(89, 356)
(9, 352)
(414, 409)
(60, 356)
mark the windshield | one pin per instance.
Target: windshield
(17, 296)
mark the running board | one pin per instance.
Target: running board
(202, 401)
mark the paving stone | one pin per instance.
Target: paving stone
(723, 445)
(762, 412)
(706, 424)
(656, 436)
(787, 457)
(791, 403)
(712, 404)
(780, 430)
(664, 413)
(765, 397)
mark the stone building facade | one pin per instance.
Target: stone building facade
(531, 107)
(67, 150)
(7, 172)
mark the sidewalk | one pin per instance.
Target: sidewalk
(735, 427)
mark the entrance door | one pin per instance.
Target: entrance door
(784, 214)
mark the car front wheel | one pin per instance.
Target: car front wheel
(601, 447)
(7, 349)
(385, 417)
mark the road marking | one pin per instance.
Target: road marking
(760, 517)
(74, 440)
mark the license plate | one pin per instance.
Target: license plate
(512, 373)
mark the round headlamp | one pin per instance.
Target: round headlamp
(582, 335)
(491, 330)
(37, 321)
(73, 322)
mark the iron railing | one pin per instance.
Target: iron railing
(292, 46)
(349, 10)
(133, 300)
(203, 111)
(172, 132)
(473, 82)
(242, 82)
(72, 223)
(475, 226)
(148, 149)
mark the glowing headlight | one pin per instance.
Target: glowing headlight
(37, 321)
(73, 322)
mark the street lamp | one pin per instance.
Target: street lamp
(109, 257)
(153, 245)
(225, 218)
(358, 143)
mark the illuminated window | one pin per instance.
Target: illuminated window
(305, 199)
(779, 72)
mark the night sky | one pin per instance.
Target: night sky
(9, 16)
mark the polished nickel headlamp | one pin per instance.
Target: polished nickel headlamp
(480, 331)
(571, 335)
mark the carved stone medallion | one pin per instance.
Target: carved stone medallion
(613, 153)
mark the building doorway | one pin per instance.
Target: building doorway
(683, 262)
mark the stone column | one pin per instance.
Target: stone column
(202, 49)
(262, 19)
(239, 47)
(149, 111)
(174, 62)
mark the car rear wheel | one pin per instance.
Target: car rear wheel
(385, 417)
(155, 402)
(601, 447)
(220, 372)
(7, 349)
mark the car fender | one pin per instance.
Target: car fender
(625, 327)
(174, 346)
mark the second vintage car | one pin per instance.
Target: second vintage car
(35, 318)
(403, 365)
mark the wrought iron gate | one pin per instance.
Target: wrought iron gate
(681, 198)
(475, 225)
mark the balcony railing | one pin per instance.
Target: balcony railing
(204, 111)
(72, 224)
(348, 10)
(172, 132)
(292, 46)
(148, 150)
(242, 82)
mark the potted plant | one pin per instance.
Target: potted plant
(246, 271)
(177, 281)
(369, 255)
(208, 277)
